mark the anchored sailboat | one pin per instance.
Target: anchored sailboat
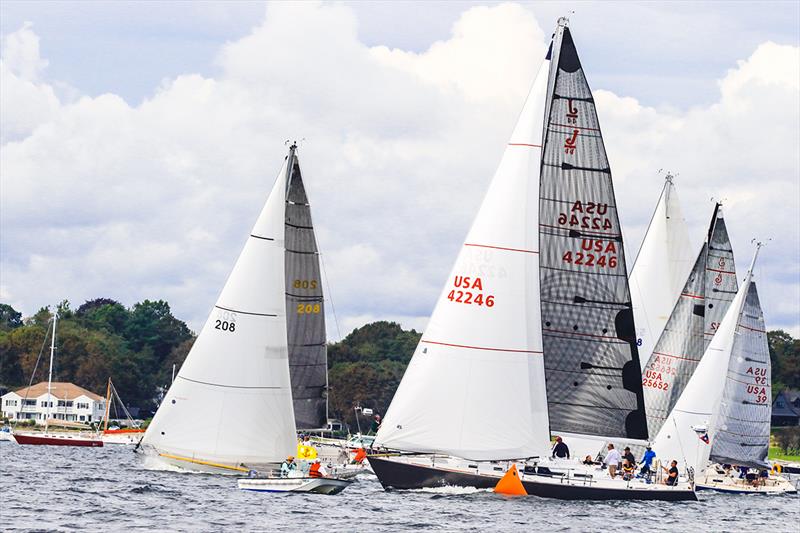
(231, 407)
(534, 329)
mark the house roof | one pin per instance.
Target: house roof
(61, 390)
(791, 404)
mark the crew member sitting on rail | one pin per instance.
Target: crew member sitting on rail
(672, 473)
(613, 460)
(627, 470)
(316, 469)
(287, 466)
(560, 450)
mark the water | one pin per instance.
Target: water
(108, 489)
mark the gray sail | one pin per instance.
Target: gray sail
(705, 299)
(743, 425)
(305, 313)
(591, 360)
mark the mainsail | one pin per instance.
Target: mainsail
(475, 385)
(660, 270)
(591, 359)
(231, 401)
(685, 434)
(742, 427)
(703, 303)
(305, 313)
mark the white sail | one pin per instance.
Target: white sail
(693, 414)
(231, 402)
(662, 265)
(475, 386)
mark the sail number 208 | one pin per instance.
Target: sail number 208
(226, 321)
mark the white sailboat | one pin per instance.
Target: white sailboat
(533, 331)
(724, 412)
(230, 408)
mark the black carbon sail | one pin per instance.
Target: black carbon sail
(305, 313)
(702, 305)
(591, 359)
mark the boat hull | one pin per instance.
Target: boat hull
(313, 485)
(774, 487)
(59, 440)
(402, 475)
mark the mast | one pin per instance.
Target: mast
(50, 373)
(108, 405)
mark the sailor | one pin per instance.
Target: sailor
(627, 469)
(560, 450)
(376, 423)
(672, 473)
(629, 456)
(288, 466)
(647, 462)
(306, 440)
(612, 460)
(316, 469)
(361, 454)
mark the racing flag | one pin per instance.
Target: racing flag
(704, 438)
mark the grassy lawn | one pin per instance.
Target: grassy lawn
(775, 453)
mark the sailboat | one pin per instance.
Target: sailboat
(534, 330)
(128, 435)
(231, 407)
(724, 411)
(52, 438)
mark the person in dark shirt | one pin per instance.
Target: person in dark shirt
(629, 456)
(560, 450)
(672, 473)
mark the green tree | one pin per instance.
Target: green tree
(151, 325)
(10, 318)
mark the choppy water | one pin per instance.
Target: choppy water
(108, 489)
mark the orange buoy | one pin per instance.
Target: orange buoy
(510, 484)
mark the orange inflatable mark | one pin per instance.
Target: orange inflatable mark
(510, 484)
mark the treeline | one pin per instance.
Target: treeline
(138, 346)
(135, 346)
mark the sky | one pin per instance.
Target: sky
(138, 141)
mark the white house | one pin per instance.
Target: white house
(67, 402)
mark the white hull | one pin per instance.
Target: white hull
(317, 485)
(123, 439)
(734, 485)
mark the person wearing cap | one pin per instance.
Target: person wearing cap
(560, 450)
(288, 466)
(316, 469)
(629, 456)
(647, 461)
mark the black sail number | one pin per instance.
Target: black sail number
(226, 321)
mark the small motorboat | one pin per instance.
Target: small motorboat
(5, 434)
(317, 485)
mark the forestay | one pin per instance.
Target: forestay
(698, 312)
(231, 401)
(305, 313)
(475, 385)
(742, 428)
(659, 273)
(593, 373)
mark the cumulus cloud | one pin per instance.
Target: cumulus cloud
(101, 198)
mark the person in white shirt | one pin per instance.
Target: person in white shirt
(612, 460)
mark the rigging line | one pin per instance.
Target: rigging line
(330, 294)
(33, 374)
